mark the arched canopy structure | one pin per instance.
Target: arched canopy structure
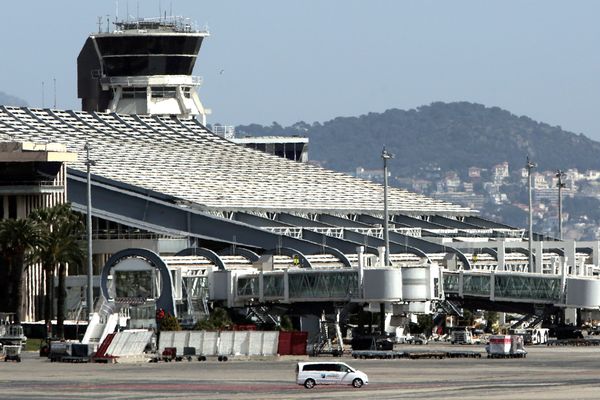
(293, 253)
(240, 251)
(203, 252)
(165, 299)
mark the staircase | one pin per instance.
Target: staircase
(329, 340)
(262, 315)
(101, 355)
(450, 308)
(101, 324)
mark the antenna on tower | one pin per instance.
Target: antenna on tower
(99, 24)
(117, 11)
(107, 23)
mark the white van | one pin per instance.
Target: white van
(310, 374)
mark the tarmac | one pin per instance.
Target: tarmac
(546, 373)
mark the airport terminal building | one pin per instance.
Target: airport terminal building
(215, 219)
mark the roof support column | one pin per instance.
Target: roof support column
(286, 287)
(539, 257)
(492, 285)
(571, 258)
(501, 255)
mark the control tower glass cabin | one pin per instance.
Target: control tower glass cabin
(142, 67)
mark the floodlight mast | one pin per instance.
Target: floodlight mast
(385, 155)
(560, 184)
(90, 292)
(530, 165)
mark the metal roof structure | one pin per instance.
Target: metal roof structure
(181, 159)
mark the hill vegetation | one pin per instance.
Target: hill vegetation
(453, 136)
(8, 100)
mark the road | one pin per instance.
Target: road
(546, 373)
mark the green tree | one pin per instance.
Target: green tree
(218, 319)
(286, 323)
(425, 323)
(18, 237)
(60, 230)
(493, 321)
(468, 318)
(169, 323)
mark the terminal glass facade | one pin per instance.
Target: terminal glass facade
(450, 283)
(338, 284)
(527, 287)
(273, 285)
(476, 285)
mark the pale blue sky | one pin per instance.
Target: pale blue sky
(314, 60)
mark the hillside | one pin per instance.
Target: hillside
(8, 100)
(454, 136)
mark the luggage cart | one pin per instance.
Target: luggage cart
(12, 352)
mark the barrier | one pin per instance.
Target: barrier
(224, 343)
(129, 343)
(292, 343)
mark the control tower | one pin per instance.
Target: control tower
(142, 67)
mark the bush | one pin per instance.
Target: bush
(169, 323)
(219, 319)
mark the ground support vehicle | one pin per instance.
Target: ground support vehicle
(413, 355)
(427, 354)
(189, 353)
(61, 351)
(461, 336)
(58, 350)
(382, 354)
(310, 374)
(12, 352)
(506, 346)
(409, 339)
(464, 354)
(169, 354)
(12, 335)
(533, 335)
(574, 342)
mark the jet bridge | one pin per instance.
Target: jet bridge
(527, 289)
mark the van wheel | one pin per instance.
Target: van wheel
(309, 383)
(357, 382)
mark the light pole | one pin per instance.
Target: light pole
(529, 167)
(385, 155)
(560, 184)
(90, 292)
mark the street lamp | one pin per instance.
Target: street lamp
(560, 184)
(530, 165)
(385, 155)
(90, 292)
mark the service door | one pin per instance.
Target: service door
(331, 374)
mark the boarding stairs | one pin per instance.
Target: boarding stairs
(449, 307)
(528, 321)
(329, 340)
(262, 315)
(101, 323)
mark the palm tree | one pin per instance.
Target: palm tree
(17, 238)
(61, 230)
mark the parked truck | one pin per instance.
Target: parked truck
(533, 335)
